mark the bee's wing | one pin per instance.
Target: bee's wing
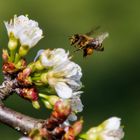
(93, 30)
(102, 36)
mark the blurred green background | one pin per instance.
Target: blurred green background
(111, 78)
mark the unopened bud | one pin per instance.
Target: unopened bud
(29, 93)
(38, 65)
(9, 68)
(5, 55)
(77, 127)
(49, 101)
(69, 135)
(44, 78)
(23, 50)
(62, 109)
(21, 64)
(36, 104)
(12, 44)
(24, 78)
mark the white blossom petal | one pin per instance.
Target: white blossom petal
(54, 57)
(76, 104)
(112, 123)
(112, 129)
(25, 138)
(63, 90)
(24, 29)
(72, 117)
(38, 54)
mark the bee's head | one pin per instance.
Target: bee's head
(74, 39)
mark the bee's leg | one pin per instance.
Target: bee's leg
(84, 53)
(79, 47)
(79, 41)
(100, 49)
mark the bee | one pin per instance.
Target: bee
(87, 43)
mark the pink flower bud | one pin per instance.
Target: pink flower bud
(77, 127)
(9, 68)
(29, 93)
(5, 55)
(62, 109)
(69, 135)
(23, 77)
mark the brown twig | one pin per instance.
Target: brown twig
(16, 120)
(6, 88)
(20, 122)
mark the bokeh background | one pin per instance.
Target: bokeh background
(111, 78)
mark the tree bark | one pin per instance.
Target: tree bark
(18, 121)
(6, 89)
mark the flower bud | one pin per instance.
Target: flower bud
(23, 50)
(21, 64)
(62, 109)
(36, 104)
(77, 127)
(29, 93)
(49, 101)
(44, 78)
(24, 78)
(69, 135)
(12, 44)
(5, 55)
(9, 68)
(38, 65)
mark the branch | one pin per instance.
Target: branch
(6, 88)
(18, 121)
(52, 127)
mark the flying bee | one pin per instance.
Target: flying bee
(87, 43)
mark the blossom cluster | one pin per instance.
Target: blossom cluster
(63, 75)
(57, 70)
(51, 77)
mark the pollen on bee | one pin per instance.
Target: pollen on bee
(89, 51)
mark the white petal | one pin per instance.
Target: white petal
(76, 104)
(72, 117)
(63, 90)
(24, 138)
(77, 93)
(38, 54)
(112, 123)
(54, 57)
